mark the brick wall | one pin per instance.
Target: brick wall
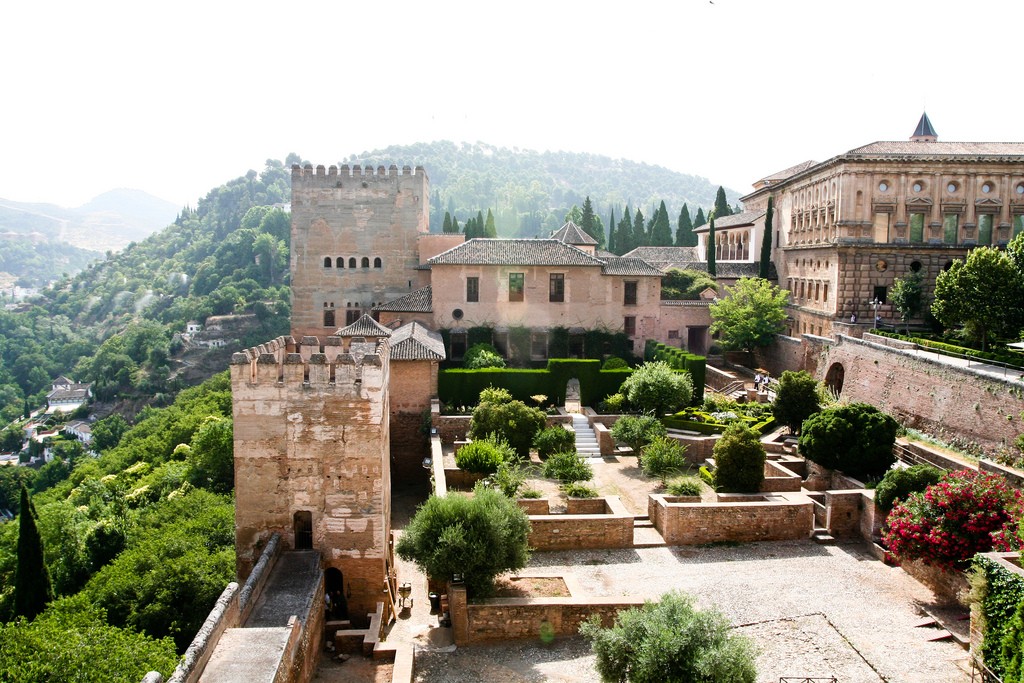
(778, 478)
(844, 513)
(588, 523)
(755, 519)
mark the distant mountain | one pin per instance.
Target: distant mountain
(107, 223)
(530, 192)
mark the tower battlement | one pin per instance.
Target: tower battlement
(353, 370)
(330, 176)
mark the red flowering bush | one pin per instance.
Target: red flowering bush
(964, 513)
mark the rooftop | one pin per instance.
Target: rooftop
(515, 252)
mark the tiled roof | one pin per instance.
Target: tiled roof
(930, 149)
(364, 327)
(656, 254)
(622, 265)
(789, 172)
(570, 233)
(413, 341)
(514, 252)
(735, 220)
(924, 128)
(417, 301)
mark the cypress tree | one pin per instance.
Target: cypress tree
(722, 208)
(490, 230)
(639, 230)
(685, 236)
(624, 239)
(712, 268)
(661, 231)
(588, 222)
(766, 241)
(699, 220)
(447, 228)
(480, 224)
(611, 231)
(455, 226)
(32, 588)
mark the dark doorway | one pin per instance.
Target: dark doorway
(695, 340)
(302, 523)
(335, 602)
(834, 378)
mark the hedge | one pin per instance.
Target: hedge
(461, 387)
(676, 422)
(680, 360)
(1008, 357)
(1003, 593)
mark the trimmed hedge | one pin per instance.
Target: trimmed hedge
(680, 360)
(679, 421)
(1004, 591)
(1008, 357)
(461, 387)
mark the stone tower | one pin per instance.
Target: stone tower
(311, 438)
(353, 242)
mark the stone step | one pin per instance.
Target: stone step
(643, 524)
(823, 537)
(647, 537)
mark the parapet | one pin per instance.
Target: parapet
(312, 365)
(332, 175)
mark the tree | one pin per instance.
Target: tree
(637, 431)
(663, 458)
(952, 520)
(447, 226)
(211, 455)
(670, 641)
(751, 314)
(656, 388)
(739, 460)
(625, 240)
(611, 232)
(766, 241)
(591, 224)
(107, 433)
(32, 587)
(722, 207)
(907, 295)
(513, 421)
(710, 254)
(699, 219)
(900, 482)
(639, 230)
(661, 231)
(796, 399)
(982, 293)
(478, 538)
(685, 237)
(490, 230)
(685, 284)
(856, 439)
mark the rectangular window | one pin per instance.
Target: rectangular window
(881, 227)
(556, 287)
(1018, 225)
(824, 294)
(576, 345)
(516, 283)
(472, 289)
(629, 293)
(985, 228)
(950, 228)
(629, 325)
(673, 334)
(880, 292)
(352, 315)
(329, 317)
(458, 344)
(917, 228)
(539, 345)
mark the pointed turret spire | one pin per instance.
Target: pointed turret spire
(924, 131)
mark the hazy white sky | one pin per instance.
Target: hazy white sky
(176, 98)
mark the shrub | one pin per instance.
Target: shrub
(664, 457)
(574, 490)
(614, 363)
(656, 388)
(899, 483)
(796, 399)
(508, 478)
(856, 439)
(567, 468)
(1013, 648)
(952, 520)
(482, 356)
(614, 403)
(479, 537)
(530, 493)
(686, 486)
(739, 460)
(484, 456)
(513, 421)
(670, 641)
(555, 439)
(637, 432)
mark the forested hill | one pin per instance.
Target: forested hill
(531, 192)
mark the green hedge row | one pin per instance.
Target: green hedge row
(679, 359)
(677, 422)
(1008, 357)
(461, 387)
(1004, 592)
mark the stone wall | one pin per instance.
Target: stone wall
(778, 478)
(758, 518)
(844, 513)
(587, 523)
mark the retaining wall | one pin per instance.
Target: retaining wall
(774, 517)
(587, 523)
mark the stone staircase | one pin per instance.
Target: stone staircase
(645, 535)
(586, 439)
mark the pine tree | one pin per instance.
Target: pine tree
(447, 228)
(455, 226)
(661, 231)
(685, 236)
(639, 230)
(611, 231)
(32, 587)
(712, 268)
(700, 219)
(480, 224)
(589, 222)
(766, 241)
(489, 228)
(722, 208)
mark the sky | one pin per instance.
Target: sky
(176, 98)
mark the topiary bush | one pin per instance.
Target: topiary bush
(899, 483)
(567, 468)
(856, 439)
(663, 458)
(614, 363)
(554, 439)
(686, 486)
(796, 399)
(1013, 648)
(484, 456)
(739, 460)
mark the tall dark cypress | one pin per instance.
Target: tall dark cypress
(32, 587)
(722, 208)
(699, 220)
(661, 231)
(447, 227)
(611, 231)
(712, 267)
(639, 230)
(685, 236)
(766, 241)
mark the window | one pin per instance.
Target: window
(327, 261)
(458, 344)
(515, 286)
(472, 289)
(352, 262)
(539, 345)
(366, 262)
(880, 292)
(881, 227)
(353, 315)
(302, 527)
(629, 325)
(673, 334)
(917, 228)
(339, 262)
(377, 262)
(1018, 224)
(824, 293)
(950, 227)
(629, 293)
(556, 287)
(576, 345)
(329, 317)
(985, 228)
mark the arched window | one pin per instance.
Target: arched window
(340, 262)
(366, 262)
(377, 263)
(327, 261)
(352, 262)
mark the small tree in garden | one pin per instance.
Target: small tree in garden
(952, 520)
(656, 388)
(637, 431)
(670, 641)
(856, 439)
(664, 458)
(511, 420)
(739, 460)
(899, 483)
(567, 468)
(484, 456)
(554, 439)
(796, 399)
(479, 537)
